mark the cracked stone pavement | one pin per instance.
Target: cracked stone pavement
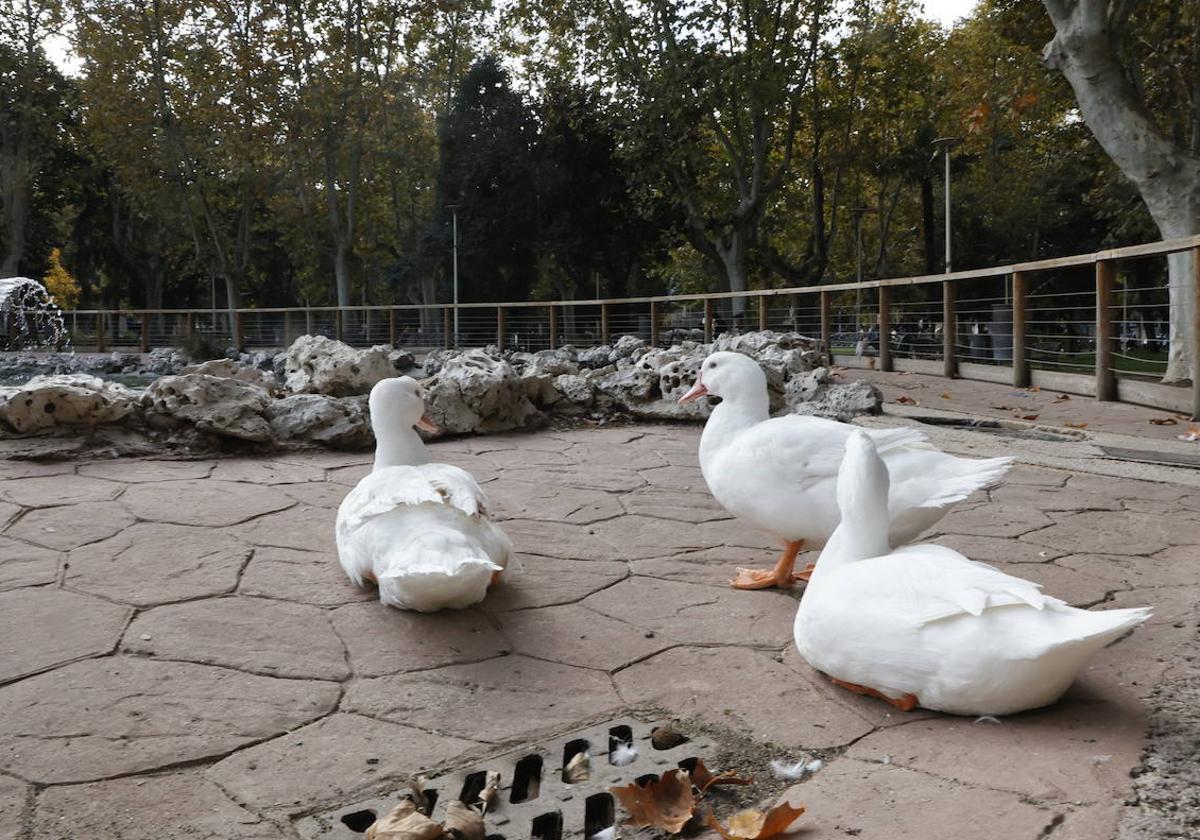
(181, 655)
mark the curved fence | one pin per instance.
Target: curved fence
(1092, 324)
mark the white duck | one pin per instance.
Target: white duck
(779, 473)
(923, 625)
(419, 530)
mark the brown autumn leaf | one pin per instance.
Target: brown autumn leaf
(463, 822)
(578, 769)
(1062, 398)
(1034, 389)
(666, 737)
(1076, 425)
(1003, 408)
(1030, 416)
(1164, 421)
(755, 825)
(703, 778)
(906, 400)
(946, 395)
(666, 803)
(404, 822)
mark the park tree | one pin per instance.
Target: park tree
(1135, 72)
(33, 107)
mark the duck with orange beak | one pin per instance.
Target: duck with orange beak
(780, 474)
(419, 530)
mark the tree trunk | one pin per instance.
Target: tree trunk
(1166, 175)
(731, 248)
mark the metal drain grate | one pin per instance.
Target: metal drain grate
(535, 800)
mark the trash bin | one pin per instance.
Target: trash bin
(1000, 329)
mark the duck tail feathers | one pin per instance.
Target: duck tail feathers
(437, 585)
(967, 476)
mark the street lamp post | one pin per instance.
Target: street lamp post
(944, 145)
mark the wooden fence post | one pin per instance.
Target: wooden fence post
(949, 331)
(708, 321)
(392, 334)
(337, 325)
(604, 323)
(447, 326)
(764, 313)
(885, 329)
(1196, 334)
(826, 327)
(500, 327)
(100, 345)
(144, 338)
(553, 326)
(190, 325)
(1020, 356)
(1106, 380)
(653, 323)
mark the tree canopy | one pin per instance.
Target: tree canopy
(319, 151)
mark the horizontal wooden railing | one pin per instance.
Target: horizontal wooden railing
(533, 324)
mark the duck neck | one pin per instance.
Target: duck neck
(862, 533)
(399, 448)
(730, 418)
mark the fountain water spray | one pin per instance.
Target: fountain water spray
(29, 317)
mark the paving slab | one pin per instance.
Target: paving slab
(22, 564)
(258, 635)
(82, 626)
(306, 577)
(177, 804)
(14, 801)
(71, 526)
(383, 640)
(209, 502)
(151, 563)
(328, 760)
(491, 701)
(534, 581)
(121, 715)
(50, 491)
(576, 635)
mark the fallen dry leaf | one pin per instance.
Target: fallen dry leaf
(1062, 398)
(578, 769)
(1164, 421)
(946, 395)
(1076, 425)
(755, 825)
(416, 792)
(906, 400)
(665, 737)
(405, 822)
(1033, 388)
(1003, 408)
(1029, 416)
(1193, 433)
(703, 778)
(463, 822)
(487, 796)
(666, 803)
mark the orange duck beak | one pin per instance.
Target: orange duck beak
(698, 391)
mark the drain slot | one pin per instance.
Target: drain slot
(617, 736)
(359, 821)
(473, 785)
(599, 813)
(649, 778)
(527, 779)
(577, 772)
(547, 826)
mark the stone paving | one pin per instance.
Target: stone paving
(181, 655)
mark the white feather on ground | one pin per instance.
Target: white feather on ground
(623, 754)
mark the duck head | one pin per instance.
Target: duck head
(730, 376)
(397, 404)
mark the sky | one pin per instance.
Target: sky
(945, 12)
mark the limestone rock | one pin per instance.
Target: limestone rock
(816, 393)
(227, 407)
(229, 369)
(476, 391)
(595, 357)
(165, 360)
(316, 418)
(627, 347)
(575, 390)
(64, 400)
(319, 365)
